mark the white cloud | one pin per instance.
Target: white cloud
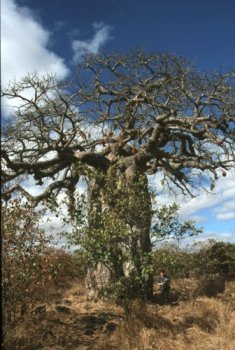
(226, 216)
(209, 235)
(222, 236)
(93, 46)
(201, 202)
(24, 44)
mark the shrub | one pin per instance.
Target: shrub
(23, 272)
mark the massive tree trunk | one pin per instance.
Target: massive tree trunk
(120, 217)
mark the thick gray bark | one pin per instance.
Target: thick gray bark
(104, 192)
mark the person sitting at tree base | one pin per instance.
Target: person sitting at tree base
(164, 283)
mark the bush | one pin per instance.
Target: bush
(24, 273)
(63, 265)
(29, 264)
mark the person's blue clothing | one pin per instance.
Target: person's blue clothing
(164, 288)
(166, 283)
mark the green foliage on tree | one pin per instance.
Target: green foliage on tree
(166, 224)
(109, 231)
(113, 237)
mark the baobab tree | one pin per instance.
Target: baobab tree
(120, 118)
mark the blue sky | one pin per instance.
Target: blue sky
(50, 36)
(201, 30)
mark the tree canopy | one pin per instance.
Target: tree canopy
(141, 112)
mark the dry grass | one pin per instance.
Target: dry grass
(72, 323)
(201, 324)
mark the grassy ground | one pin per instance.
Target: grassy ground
(68, 321)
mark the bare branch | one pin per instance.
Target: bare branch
(142, 112)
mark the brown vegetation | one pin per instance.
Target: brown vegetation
(48, 285)
(68, 321)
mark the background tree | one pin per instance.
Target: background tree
(201, 260)
(215, 258)
(129, 115)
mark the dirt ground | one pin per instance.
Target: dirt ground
(67, 321)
